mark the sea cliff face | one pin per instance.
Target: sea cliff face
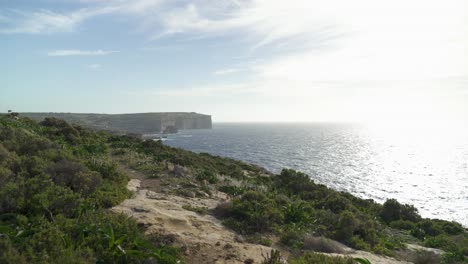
(140, 123)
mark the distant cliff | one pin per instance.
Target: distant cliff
(141, 123)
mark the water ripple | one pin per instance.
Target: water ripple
(426, 168)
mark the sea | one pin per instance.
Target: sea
(423, 166)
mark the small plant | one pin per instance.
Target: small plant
(362, 260)
(208, 176)
(311, 257)
(273, 258)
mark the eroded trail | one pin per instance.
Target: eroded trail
(203, 237)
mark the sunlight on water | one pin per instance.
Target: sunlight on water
(421, 164)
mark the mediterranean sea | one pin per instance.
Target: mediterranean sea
(426, 167)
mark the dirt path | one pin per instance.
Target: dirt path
(146, 183)
(202, 237)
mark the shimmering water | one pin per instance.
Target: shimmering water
(427, 167)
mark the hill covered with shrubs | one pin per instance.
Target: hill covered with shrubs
(57, 181)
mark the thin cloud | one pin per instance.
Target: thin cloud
(63, 53)
(44, 21)
(226, 71)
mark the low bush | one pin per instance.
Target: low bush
(232, 190)
(392, 210)
(293, 238)
(273, 258)
(208, 176)
(310, 257)
(254, 212)
(403, 224)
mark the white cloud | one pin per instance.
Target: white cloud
(264, 21)
(44, 21)
(62, 53)
(41, 21)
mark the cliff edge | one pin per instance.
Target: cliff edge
(139, 123)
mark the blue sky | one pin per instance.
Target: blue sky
(239, 60)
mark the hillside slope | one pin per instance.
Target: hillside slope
(58, 182)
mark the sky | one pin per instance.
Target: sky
(238, 60)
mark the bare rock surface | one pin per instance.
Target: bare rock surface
(415, 247)
(204, 238)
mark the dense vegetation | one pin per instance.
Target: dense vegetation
(56, 182)
(293, 206)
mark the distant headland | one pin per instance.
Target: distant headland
(139, 123)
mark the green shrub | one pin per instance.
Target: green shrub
(297, 212)
(109, 194)
(208, 176)
(232, 190)
(403, 224)
(450, 228)
(259, 239)
(8, 253)
(309, 258)
(3, 153)
(358, 243)
(455, 255)
(440, 241)
(273, 258)
(430, 227)
(347, 224)
(336, 203)
(392, 210)
(255, 213)
(292, 238)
